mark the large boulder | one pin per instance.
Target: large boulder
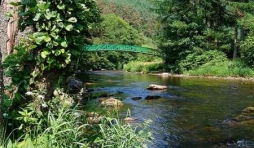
(74, 85)
(111, 102)
(156, 87)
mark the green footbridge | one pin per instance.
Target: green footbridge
(120, 47)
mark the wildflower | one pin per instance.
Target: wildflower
(41, 97)
(5, 114)
(44, 105)
(29, 93)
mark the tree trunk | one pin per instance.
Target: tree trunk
(235, 43)
(1, 101)
(8, 31)
(10, 24)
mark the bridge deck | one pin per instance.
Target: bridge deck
(119, 47)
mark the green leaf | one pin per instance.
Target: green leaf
(43, 6)
(62, 50)
(45, 53)
(15, 3)
(59, 17)
(50, 15)
(32, 47)
(61, 24)
(9, 145)
(69, 27)
(61, 6)
(47, 38)
(72, 20)
(37, 17)
(57, 52)
(64, 44)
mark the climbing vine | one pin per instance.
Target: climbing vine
(60, 30)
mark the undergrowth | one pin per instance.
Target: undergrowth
(145, 67)
(222, 69)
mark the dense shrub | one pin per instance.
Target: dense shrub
(198, 59)
(146, 67)
(223, 68)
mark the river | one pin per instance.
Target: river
(192, 113)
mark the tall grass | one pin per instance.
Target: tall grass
(69, 128)
(223, 69)
(123, 136)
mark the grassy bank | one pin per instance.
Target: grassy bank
(70, 126)
(225, 68)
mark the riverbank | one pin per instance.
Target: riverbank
(165, 75)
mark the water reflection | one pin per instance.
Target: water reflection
(194, 112)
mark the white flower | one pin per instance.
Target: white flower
(41, 97)
(5, 114)
(29, 93)
(76, 114)
(44, 105)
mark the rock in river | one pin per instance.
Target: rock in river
(111, 102)
(248, 110)
(136, 98)
(74, 85)
(156, 87)
(152, 97)
(129, 119)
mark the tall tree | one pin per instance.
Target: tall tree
(193, 26)
(244, 9)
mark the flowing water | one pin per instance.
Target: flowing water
(192, 113)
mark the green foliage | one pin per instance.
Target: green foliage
(191, 25)
(247, 46)
(137, 13)
(223, 69)
(122, 136)
(146, 67)
(18, 68)
(114, 30)
(59, 29)
(118, 31)
(66, 127)
(200, 58)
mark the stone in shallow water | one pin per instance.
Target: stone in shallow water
(241, 118)
(136, 98)
(156, 87)
(248, 110)
(129, 119)
(111, 102)
(152, 97)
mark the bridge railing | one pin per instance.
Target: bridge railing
(120, 47)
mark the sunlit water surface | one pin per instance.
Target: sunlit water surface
(193, 112)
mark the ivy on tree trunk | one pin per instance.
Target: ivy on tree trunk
(1, 99)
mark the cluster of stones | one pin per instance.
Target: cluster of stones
(105, 100)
